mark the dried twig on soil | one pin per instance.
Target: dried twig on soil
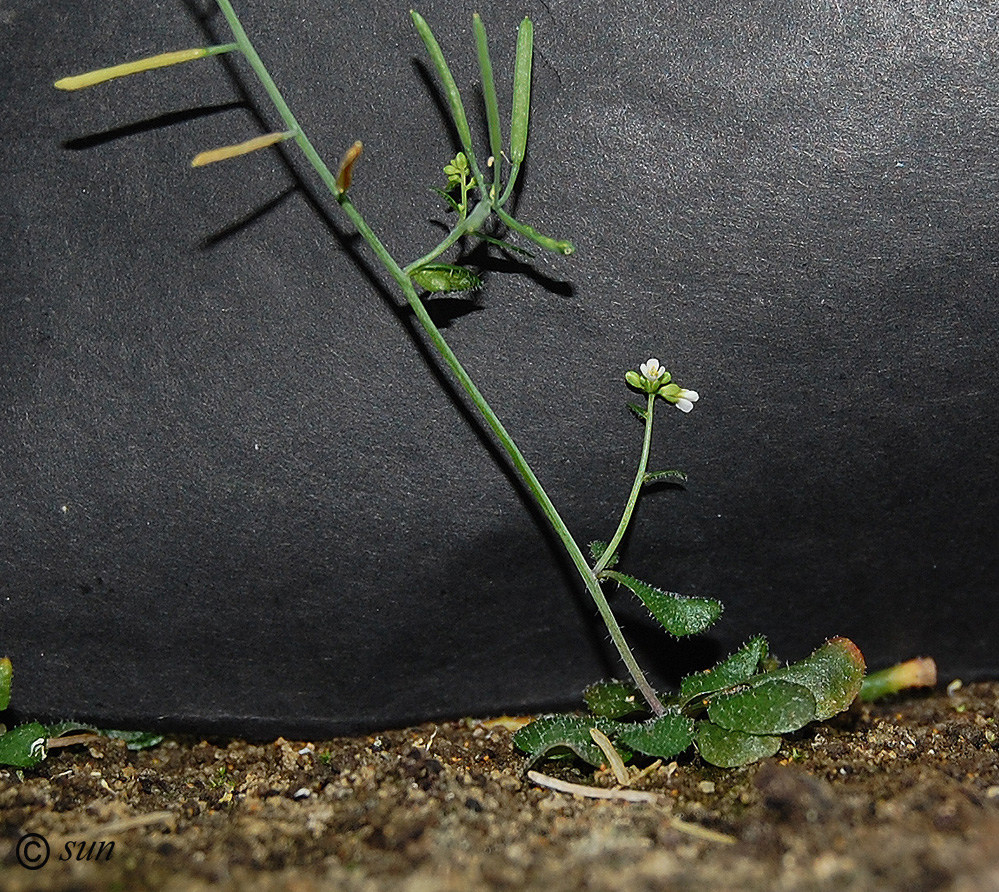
(561, 786)
(553, 783)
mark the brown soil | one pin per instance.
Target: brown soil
(900, 795)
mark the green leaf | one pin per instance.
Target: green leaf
(662, 738)
(672, 476)
(677, 614)
(6, 677)
(488, 91)
(559, 735)
(834, 673)
(919, 672)
(613, 699)
(135, 740)
(640, 411)
(733, 670)
(24, 746)
(454, 204)
(60, 728)
(597, 551)
(769, 707)
(521, 92)
(445, 277)
(732, 749)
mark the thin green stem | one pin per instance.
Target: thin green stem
(636, 489)
(405, 283)
(508, 191)
(513, 451)
(562, 246)
(274, 94)
(480, 213)
(222, 48)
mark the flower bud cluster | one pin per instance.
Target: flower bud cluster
(652, 378)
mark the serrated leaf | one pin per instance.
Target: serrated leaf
(554, 735)
(662, 738)
(677, 614)
(732, 749)
(6, 677)
(439, 277)
(768, 707)
(613, 699)
(735, 669)
(61, 728)
(24, 746)
(597, 551)
(658, 476)
(834, 673)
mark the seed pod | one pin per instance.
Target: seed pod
(346, 172)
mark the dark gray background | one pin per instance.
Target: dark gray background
(236, 498)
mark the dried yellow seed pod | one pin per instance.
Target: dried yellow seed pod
(346, 172)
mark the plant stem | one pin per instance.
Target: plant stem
(437, 339)
(480, 213)
(274, 94)
(636, 489)
(513, 451)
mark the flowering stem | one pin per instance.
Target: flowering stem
(512, 450)
(405, 283)
(636, 489)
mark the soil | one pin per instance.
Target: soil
(899, 795)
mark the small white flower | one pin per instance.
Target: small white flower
(685, 400)
(652, 370)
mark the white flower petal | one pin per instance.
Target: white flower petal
(684, 405)
(652, 370)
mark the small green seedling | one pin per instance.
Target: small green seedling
(25, 746)
(732, 714)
